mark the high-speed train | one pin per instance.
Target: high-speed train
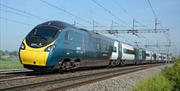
(58, 45)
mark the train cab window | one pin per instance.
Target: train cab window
(42, 35)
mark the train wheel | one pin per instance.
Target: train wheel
(118, 62)
(66, 65)
(113, 63)
(122, 63)
(76, 65)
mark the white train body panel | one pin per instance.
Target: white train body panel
(115, 54)
(158, 57)
(126, 56)
(165, 58)
(170, 58)
(148, 57)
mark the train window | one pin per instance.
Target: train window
(147, 54)
(128, 51)
(71, 35)
(67, 35)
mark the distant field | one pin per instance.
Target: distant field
(10, 64)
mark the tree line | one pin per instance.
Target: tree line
(8, 54)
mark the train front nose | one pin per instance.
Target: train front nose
(32, 56)
(37, 58)
(37, 45)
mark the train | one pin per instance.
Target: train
(56, 45)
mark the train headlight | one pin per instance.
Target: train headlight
(50, 48)
(22, 46)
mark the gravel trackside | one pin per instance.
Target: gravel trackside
(121, 83)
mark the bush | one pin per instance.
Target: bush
(173, 75)
(168, 80)
(156, 83)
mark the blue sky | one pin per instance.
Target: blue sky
(167, 11)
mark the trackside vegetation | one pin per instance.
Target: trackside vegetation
(168, 80)
(10, 64)
(9, 60)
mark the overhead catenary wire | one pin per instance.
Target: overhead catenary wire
(15, 13)
(15, 21)
(119, 25)
(24, 12)
(125, 11)
(153, 11)
(81, 25)
(108, 11)
(64, 10)
(152, 8)
(95, 23)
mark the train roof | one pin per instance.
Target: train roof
(83, 29)
(61, 24)
(58, 24)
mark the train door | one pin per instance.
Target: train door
(115, 54)
(143, 56)
(137, 55)
(119, 51)
(154, 57)
(99, 59)
(88, 50)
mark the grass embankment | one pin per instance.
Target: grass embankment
(10, 64)
(168, 80)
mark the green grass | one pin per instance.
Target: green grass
(168, 80)
(156, 83)
(173, 75)
(10, 64)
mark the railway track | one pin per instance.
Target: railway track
(14, 71)
(66, 82)
(11, 75)
(26, 74)
(20, 75)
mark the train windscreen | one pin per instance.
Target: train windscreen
(41, 36)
